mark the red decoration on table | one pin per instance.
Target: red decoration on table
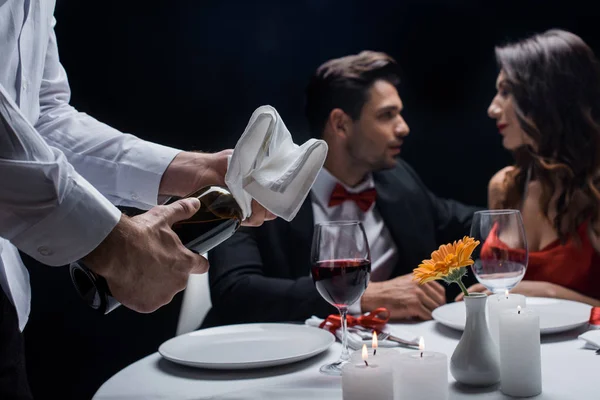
(375, 320)
(595, 316)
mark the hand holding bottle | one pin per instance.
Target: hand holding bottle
(190, 171)
(143, 261)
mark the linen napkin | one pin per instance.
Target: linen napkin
(592, 339)
(269, 167)
(355, 341)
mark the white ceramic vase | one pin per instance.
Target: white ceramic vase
(475, 360)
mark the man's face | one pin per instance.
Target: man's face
(376, 137)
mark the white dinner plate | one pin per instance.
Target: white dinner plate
(246, 346)
(556, 315)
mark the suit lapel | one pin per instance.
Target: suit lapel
(390, 204)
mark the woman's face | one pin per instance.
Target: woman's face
(502, 109)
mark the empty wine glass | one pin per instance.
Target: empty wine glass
(341, 267)
(501, 258)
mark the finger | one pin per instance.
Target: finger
(226, 152)
(471, 289)
(197, 263)
(255, 219)
(438, 287)
(259, 215)
(432, 296)
(261, 210)
(423, 313)
(180, 210)
(427, 300)
(434, 292)
(265, 214)
(478, 287)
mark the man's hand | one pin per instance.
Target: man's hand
(526, 288)
(404, 297)
(190, 171)
(142, 259)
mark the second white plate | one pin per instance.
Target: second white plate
(246, 346)
(556, 315)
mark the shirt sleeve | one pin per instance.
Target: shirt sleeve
(124, 168)
(47, 209)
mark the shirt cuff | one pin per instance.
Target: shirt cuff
(138, 179)
(77, 226)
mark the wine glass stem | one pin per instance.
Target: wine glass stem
(345, 354)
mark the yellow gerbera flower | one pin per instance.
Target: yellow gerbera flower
(445, 260)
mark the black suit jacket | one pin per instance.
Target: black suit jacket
(263, 274)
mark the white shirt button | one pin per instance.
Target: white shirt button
(45, 251)
(134, 196)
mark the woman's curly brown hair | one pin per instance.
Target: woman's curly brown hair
(554, 78)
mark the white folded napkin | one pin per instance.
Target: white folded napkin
(269, 167)
(592, 339)
(355, 342)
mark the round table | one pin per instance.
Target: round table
(568, 372)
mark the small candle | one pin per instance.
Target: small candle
(520, 358)
(497, 303)
(381, 355)
(369, 379)
(421, 375)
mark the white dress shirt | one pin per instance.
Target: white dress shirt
(384, 253)
(61, 171)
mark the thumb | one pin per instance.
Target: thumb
(200, 265)
(181, 210)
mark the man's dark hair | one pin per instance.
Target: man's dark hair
(344, 83)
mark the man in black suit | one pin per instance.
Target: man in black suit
(263, 275)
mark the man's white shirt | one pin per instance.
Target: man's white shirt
(61, 171)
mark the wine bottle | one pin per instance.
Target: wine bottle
(217, 219)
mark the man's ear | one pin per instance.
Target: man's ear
(339, 123)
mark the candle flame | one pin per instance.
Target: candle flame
(421, 343)
(374, 342)
(506, 293)
(365, 353)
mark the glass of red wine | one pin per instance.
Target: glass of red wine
(341, 267)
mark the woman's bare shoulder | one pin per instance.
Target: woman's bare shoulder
(497, 187)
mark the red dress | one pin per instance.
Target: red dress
(573, 265)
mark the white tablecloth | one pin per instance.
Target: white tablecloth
(568, 371)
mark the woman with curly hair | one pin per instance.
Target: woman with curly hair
(547, 110)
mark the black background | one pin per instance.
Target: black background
(189, 74)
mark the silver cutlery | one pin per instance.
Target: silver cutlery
(366, 334)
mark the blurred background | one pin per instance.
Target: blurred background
(189, 74)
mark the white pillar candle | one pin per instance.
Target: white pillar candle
(520, 353)
(371, 378)
(421, 375)
(496, 304)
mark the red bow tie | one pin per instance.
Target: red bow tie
(364, 200)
